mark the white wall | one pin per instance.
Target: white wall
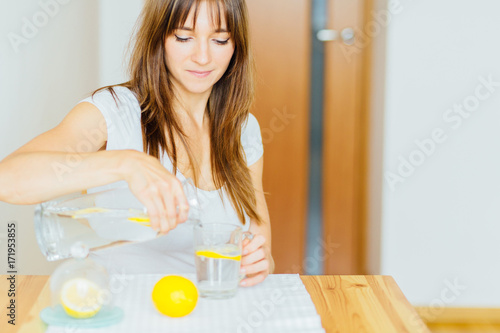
(41, 79)
(441, 220)
(116, 21)
(74, 51)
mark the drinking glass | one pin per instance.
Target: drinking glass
(217, 248)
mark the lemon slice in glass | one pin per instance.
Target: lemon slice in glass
(80, 298)
(231, 252)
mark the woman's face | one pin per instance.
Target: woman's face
(197, 59)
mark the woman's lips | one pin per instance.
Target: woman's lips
(200, 74)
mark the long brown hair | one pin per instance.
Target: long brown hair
(228, 105)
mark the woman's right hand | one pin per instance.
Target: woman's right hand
(156, 188)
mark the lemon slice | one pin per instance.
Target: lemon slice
(91, 210)
(80, 298)
(139, 219)
(217, 255)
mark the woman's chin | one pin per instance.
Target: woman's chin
(199, 89)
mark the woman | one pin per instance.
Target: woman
(187, 106)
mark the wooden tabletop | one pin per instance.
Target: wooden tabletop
(346, 303)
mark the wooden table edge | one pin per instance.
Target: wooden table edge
(325, 308)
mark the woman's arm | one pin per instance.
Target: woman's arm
(59, 161)
(68, 159)
(33, 177)
(257, 261)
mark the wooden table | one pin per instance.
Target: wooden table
(345, 303)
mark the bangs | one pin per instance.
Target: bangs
(182, 8)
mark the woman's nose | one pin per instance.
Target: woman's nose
(201, 53)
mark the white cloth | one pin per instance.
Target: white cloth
(279, 304)
(172, 253)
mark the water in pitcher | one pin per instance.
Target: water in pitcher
(59, 230)
(98, 220)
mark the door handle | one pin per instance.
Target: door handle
(327, 35)
(347, 35)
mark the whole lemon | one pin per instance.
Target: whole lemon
(175, 296)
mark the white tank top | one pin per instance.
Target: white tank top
(174, 252)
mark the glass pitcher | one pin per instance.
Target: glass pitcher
(98, 220)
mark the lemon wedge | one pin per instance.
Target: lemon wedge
(80, 298)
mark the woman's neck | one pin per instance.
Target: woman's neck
(191, 108)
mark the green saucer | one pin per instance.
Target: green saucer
(56, 316)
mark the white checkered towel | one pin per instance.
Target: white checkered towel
(279, 304)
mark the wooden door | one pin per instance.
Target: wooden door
(281, 41)
(344, 140)
(281, 35)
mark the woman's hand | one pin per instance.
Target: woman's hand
(257, 262)
(156, 188)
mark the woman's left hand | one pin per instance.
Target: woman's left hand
(256, 262)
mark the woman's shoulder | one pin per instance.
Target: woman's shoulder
(251, 139)
(251, 125)
(113, 97)
(118, 105)
(122, 114)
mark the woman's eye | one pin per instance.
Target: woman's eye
(181, 39)
(222, 42)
